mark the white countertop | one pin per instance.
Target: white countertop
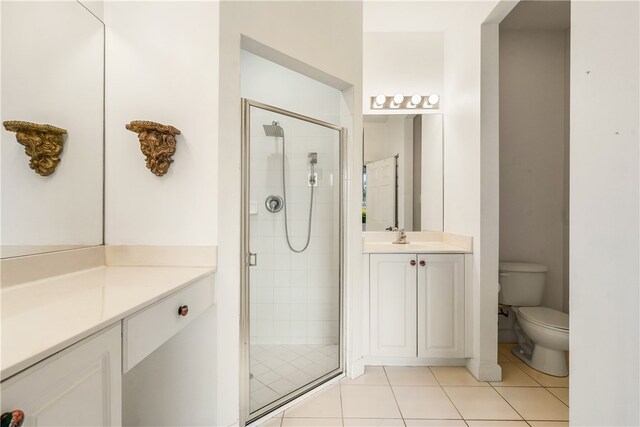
(413, 248)
(42, 317)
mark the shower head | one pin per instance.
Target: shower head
(274, 129)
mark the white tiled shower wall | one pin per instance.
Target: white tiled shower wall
(294, 297)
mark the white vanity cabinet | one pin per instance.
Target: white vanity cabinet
(441, 306)
(70, 352)
(80, 386)
(393, 305)
(416, 306)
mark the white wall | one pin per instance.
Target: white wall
(605, 214)
(54, 77)
(162, 65)
(405, 62)
(296, 33)
(432, 184)
(532, 153)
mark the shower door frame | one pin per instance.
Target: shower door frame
(246, 416)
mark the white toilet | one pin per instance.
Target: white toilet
(543, 333)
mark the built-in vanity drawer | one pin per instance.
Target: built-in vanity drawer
(147, 330)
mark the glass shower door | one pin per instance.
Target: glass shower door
(292, 299)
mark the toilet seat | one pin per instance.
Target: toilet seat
(546, 317)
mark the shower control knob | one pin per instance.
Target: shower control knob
(413, 263)
(183, 310)
(422, 263)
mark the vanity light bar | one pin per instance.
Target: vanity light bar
(402, 102)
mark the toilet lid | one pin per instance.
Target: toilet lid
(546, 316)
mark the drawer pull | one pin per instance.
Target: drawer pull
(413, 263)
(183, 310)
(12, 419)
(422, 263)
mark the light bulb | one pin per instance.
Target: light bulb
(397, 100)
(434, 99)
(415, 99)
(380, 100)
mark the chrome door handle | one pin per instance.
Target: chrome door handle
(253, 259)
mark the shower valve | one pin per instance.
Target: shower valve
(313, 180)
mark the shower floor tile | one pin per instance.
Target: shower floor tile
(277, 370)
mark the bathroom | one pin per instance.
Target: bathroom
(147, 287)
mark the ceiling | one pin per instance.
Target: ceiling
(539, 15)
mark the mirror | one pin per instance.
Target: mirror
(52, 73)
(403, 172)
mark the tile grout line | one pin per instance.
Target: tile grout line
(510, 405)
(447, 394)
(547, 389)
(525, 372)
(540, 385)
(393, 394)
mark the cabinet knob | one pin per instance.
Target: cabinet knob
(413, 263)
(12, 419)
(183, 310)
(422, 263)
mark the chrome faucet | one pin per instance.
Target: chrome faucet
(402, 237)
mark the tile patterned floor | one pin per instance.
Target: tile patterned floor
(436, 396)
(277, 370)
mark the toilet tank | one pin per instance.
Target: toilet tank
(521, 284)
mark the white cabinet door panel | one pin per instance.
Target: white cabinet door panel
(441, 306)
(393, 305)
(79, 387)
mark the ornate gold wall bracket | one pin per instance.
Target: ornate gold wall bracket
(157, 142)
(42, 143)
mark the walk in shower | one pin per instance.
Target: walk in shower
(292, 244)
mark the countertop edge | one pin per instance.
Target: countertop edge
(446, 251)
(12, 370)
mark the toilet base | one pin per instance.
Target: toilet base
(550, 362)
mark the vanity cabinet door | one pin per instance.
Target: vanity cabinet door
(393, 305)
(80, 386)
(441, 306)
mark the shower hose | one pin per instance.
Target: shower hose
(284, 193)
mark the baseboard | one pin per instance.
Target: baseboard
(507, 335)
(356, 369)
(413, 361)
(484, 371)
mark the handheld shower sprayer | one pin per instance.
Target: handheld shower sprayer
(275, 130)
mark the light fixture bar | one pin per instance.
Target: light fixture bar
(401, 102)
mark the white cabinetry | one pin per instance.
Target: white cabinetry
(145, 331)
(80, 386)
(441, 306)
(393, 305)
(416, 306)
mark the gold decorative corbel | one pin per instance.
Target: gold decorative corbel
(42, 143)
(157, 143)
